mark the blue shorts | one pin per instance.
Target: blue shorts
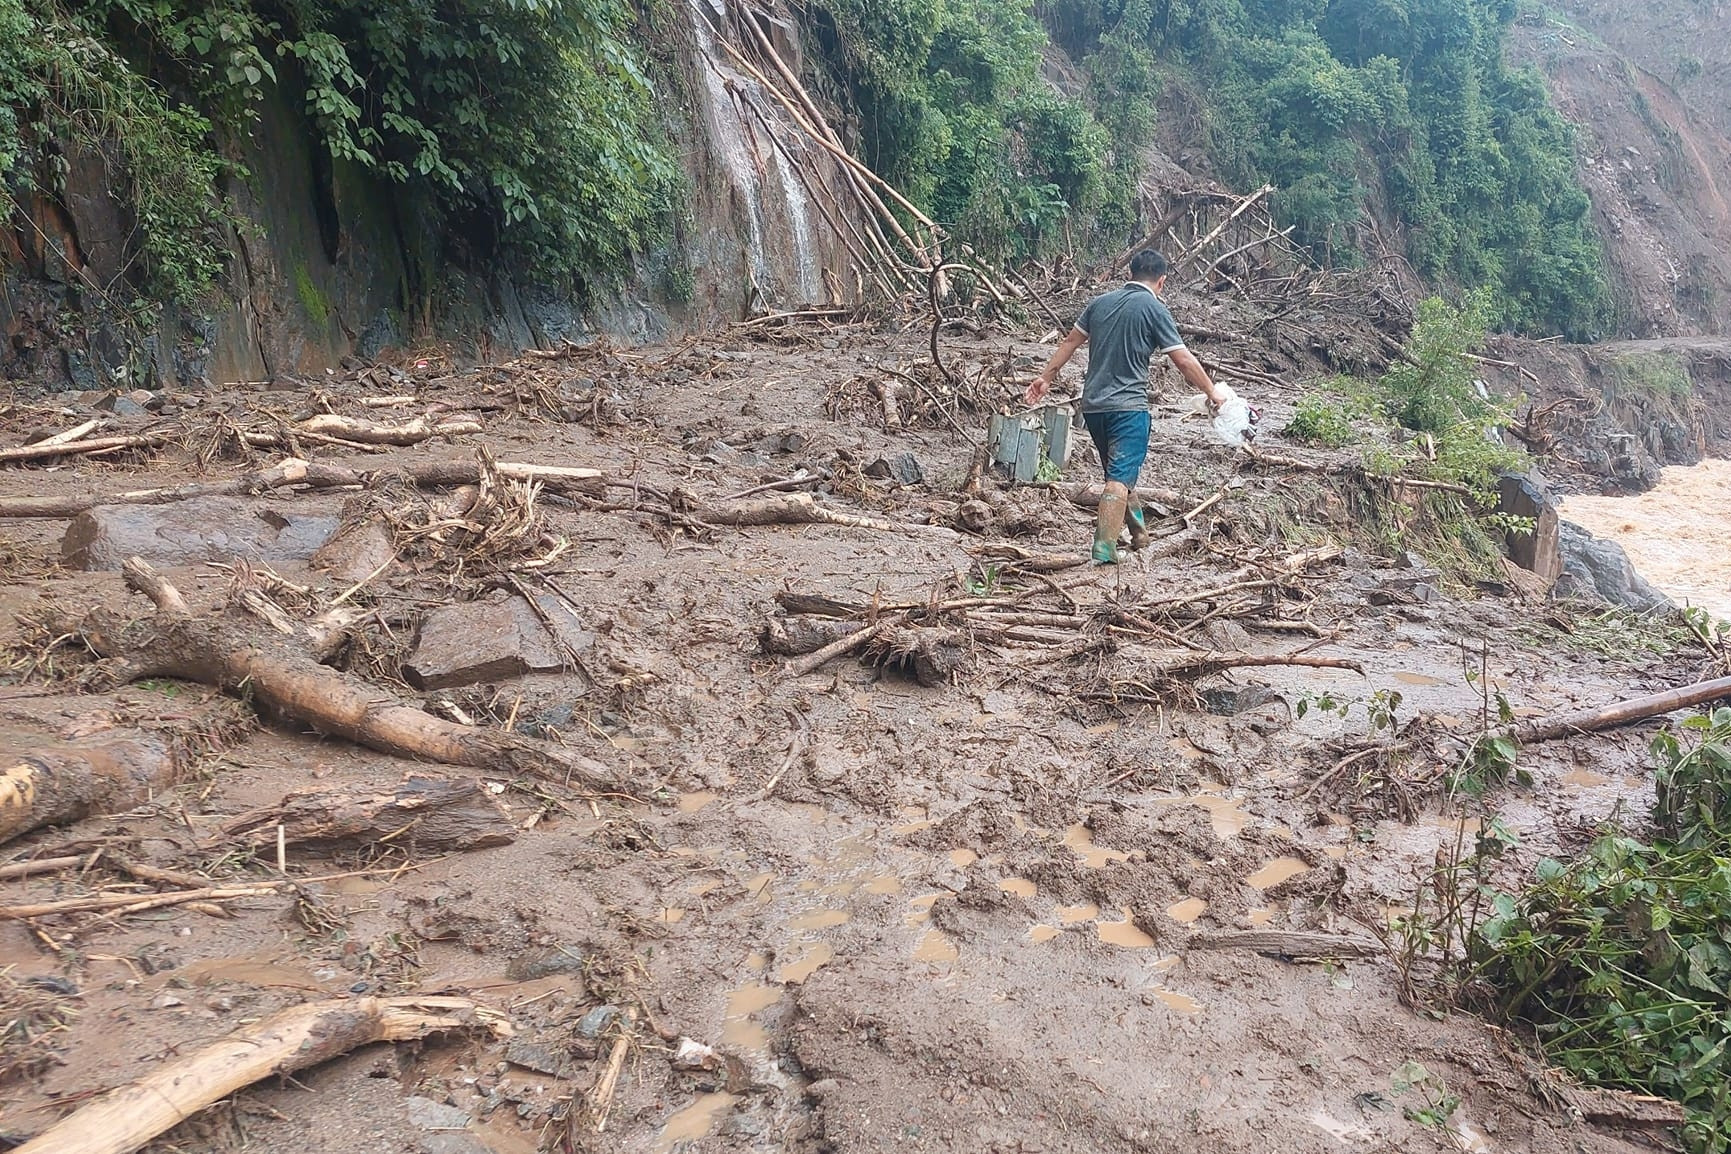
(1122, 439)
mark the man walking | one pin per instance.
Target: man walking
(1124, 329)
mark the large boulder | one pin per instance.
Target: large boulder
(1598, 569)
(190, 532)
(1538, 552)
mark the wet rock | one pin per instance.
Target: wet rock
(545, 962)
(491, 639)
(446, 1128)
(1538, 552)
(1600, 570)
(190, 532)
(903, 468)
(537, 1056)
(356, 551)
(597, 1020)
(1231, 700)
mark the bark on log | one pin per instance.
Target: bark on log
(49, 783)
(803, 509)
(127, 1118)
(230, 652)
(92, 447)
(428, 813)
(289, 472)
(1623, 712)
(796, 636)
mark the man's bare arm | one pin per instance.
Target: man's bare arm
(1186, 363)
(1060, 357)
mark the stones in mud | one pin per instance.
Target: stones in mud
(902, 468)
(540, 1057)
(546, 962)
(190, 532)
(490, 639)
(1599, 570)
(595, 1022)
(1231, 700)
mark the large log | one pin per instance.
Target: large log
(127, 1118)
(289, 472)
(1623, 712)
(236, 655)
(423, 812)
(50, 782)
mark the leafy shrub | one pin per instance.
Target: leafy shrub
(1619, 960)
(1320, 421)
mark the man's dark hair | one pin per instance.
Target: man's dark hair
(1148, 265)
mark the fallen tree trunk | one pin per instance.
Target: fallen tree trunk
(426, 813)
(127, 1118)
(290, 472)
(231, 653)
(50, 783)
(1623, 712)
(803, 509)
(95, 445)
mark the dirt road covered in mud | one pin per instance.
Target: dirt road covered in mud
(1056, 859)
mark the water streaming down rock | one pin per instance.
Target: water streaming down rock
(782, 248)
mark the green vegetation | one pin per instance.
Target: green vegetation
(954, 111)
(1361, 107)
(524, 129)
(1619, 960)
(1321, 420)
(1662, 378)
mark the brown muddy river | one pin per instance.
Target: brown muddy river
(1678, 534)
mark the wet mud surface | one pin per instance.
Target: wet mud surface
(978, 916)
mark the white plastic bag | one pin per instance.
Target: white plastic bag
(1234, 420)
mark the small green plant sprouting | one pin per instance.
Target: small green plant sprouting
(1492, 758)
(1436, 1105)
(1048, 472)
(984, 583)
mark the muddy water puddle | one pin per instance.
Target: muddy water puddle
(1186, 911)
(1123, 933)
(739, 1027)
(694, 1121)
(1275, 872)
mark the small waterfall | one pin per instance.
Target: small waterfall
(804, 242)
(772, 229)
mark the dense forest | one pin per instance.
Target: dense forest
(525, 129)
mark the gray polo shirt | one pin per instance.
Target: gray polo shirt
(1125, 328)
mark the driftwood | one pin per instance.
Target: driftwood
(428, 813)
(803, 509)
(49, 783)
(132, 903)
(230, 652)
(1288, 944)
(129, 1117)
(45, 865)
(290, 472)
(845, 644)
(1622, 713)
(95, 446)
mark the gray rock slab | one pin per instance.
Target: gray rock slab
(491, 639)
(190, 532)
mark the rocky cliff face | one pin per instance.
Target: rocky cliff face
(331, 267)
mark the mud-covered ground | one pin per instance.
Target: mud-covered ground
(986, 915)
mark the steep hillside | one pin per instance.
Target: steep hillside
(1649, 88)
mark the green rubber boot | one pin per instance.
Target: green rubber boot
(1138, 524)
(1113, 504)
